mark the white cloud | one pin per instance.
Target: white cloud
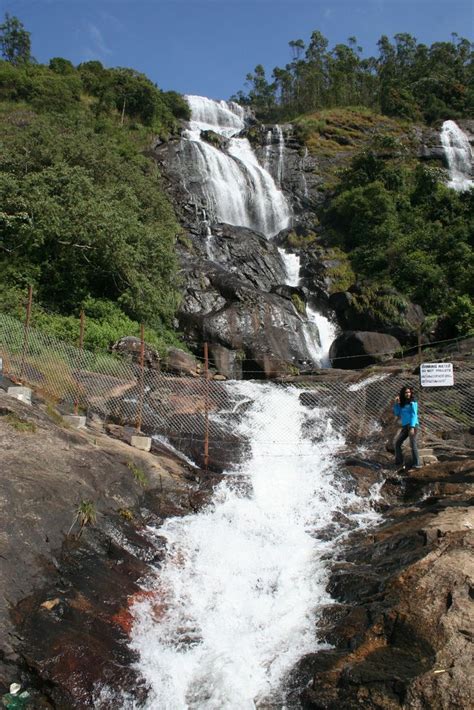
(95, 46)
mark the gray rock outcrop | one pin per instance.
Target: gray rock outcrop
(354, 349)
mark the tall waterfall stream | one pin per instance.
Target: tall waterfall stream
(458, 156)
(235, 604)
(237, 600)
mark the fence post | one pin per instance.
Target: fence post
(27, 331)
(420, 401)
(206, 408)
(141, 387)
(79, 357)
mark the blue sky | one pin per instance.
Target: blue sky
(208, 46)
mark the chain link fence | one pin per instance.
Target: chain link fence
(197, 413)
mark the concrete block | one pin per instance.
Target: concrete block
(425, 452)
(428, 459)
(141, 442)
(21, 393)
(75, 421)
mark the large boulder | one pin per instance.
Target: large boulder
(354, 349)
(129, 347)
(250, 255)
(267, 333)
(180, 362)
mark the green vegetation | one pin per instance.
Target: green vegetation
(84, 217)
(15, 41)
(298, 303)
(53, 414)
(341, 274)
(301, 241)
(404, 229)
(407, 79)
(138, 474)
(21, 425)
(86, 514)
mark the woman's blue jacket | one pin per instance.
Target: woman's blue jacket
(408, 414)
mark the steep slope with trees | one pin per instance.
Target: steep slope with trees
(407, 79)
(84, 217)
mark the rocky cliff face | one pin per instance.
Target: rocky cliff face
(233, 271)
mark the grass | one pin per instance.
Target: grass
(86, 514)
(21, 425)
(341, 130)
(138, 474)
(53, 414)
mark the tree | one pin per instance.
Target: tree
(15, 41)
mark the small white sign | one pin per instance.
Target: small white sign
(436, 374)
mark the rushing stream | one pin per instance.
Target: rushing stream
(236, 601)
(234, 606)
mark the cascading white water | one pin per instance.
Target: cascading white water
(268, 145)
(234, 605)
(281, 153)
(236, 188)
(327, 334)
(302, 172)
(458, 155)
(239, 191)
(319, 339)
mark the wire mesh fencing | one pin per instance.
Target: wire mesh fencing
(199, 416)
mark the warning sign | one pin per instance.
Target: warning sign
(436, 374)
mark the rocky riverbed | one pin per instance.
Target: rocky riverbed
(65, 593)
(399, 634)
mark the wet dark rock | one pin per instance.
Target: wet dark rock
(214, 139)
(404, 597)
(356, 349)
(265, 329)
(227, 362)
(249, 255)
(65, 598)
(180, 362)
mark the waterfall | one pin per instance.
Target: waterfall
(281, 153)
(233, 607)
(458, 155)
(268, 145)
(320, 332)
(235, 187)
(302, 172)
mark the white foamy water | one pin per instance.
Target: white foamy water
(327, 334)
(320, 332)
(236, 188)
(236, 599)
(292, 266)
(458, 155)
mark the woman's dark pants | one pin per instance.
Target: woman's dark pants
(404, 434)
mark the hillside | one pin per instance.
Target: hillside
(85, 220)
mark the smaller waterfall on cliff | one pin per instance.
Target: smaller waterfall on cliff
(302, 172)
(268, 145)
(318, 339)
(233, 607)
(458, 155)
(235, 187)
(281, 153)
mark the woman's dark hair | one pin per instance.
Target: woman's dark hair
(402, 395)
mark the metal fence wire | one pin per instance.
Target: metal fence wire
(189, 411)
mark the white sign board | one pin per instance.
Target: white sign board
(436, 374)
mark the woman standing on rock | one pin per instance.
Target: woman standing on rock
(406, 408)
